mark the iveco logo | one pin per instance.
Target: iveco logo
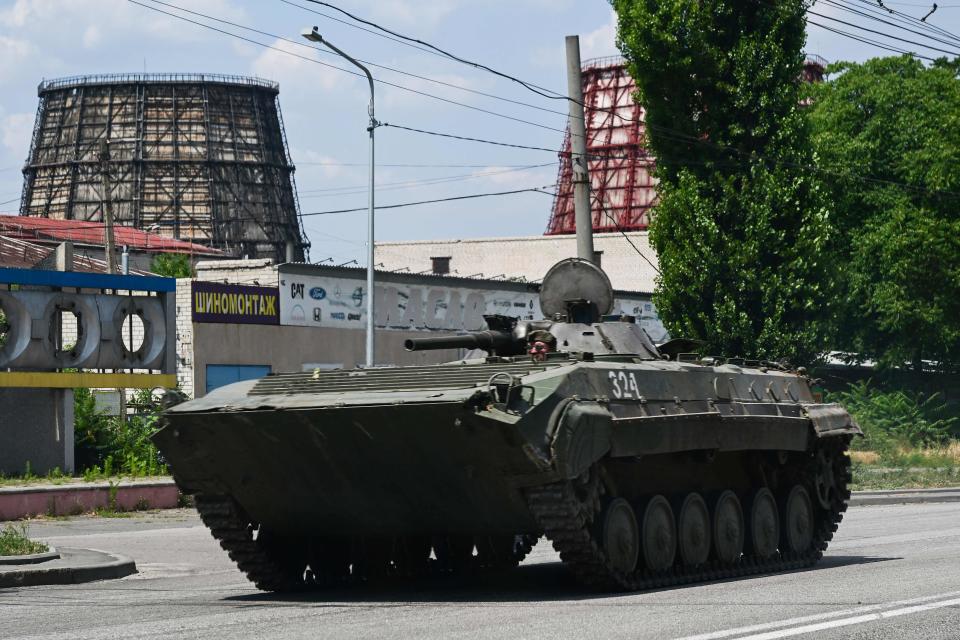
(318, 293)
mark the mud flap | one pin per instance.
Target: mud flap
(582, 436)
(831, 420)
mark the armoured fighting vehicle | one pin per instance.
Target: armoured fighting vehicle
(644, 466)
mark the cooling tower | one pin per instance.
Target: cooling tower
(202, 158)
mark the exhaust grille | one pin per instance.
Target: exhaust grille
(457, 376)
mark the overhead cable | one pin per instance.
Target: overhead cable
(344, 70)
(546, 93)
(451, 199)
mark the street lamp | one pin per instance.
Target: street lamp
(314, 36)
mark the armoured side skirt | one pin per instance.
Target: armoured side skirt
(708, 431)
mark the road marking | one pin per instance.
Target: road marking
(844, 622)
(803, 620)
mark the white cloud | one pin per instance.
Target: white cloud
(600, 42)
(107, 21)
(15, 132)
(408, 12)
(91, 36)
(317, 163)
(298, 70)
(13, 52)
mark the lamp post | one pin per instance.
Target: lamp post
(314, 36)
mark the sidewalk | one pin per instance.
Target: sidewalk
(76, 497)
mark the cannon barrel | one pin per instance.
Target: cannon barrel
(497, 341)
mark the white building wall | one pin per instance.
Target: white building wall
(528, 257)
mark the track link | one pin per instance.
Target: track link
(567, 511)
(234, 533)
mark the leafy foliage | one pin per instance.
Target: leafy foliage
(172, 265)
(741, 226)
(892, 419)
(14, 541)
(106, 445)
(898, 234)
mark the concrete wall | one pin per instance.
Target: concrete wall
(528, 257)
(290, 348)
(36, 426)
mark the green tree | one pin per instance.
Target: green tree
(172, 265)
(898, 232)
(741, 226)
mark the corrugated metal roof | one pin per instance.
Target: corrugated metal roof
(31, 228)
(18, 254)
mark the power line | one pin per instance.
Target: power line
(876, 18)
(412, 204)
(427, 181)
(413, 166)
(875, 43)
(881, 33)
(546, 93)
(348, 71)
(469, 139)
(367, 62)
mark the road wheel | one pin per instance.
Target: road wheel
(621, 537)
(694, 527)
(728, 533)
(764, 524)
(659, 534)
(798, 521)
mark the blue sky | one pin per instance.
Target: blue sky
(325, 109)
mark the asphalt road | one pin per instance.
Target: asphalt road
(892, 572)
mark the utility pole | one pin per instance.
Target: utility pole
(313, 35)
(106, 205)
(578, 147)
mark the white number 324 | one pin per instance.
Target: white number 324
(624, 385)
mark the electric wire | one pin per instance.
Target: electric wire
(366, 62)
(348, 71)
(436, 200)
(546, 93)
(874, 43)
(881, 33)
(426, 181)
(874, 17)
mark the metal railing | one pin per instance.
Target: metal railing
(156, 78)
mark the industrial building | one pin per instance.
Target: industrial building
(200, 158)
(242, 319)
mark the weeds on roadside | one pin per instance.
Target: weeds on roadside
(14, 541)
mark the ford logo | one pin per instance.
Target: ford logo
(318, 293)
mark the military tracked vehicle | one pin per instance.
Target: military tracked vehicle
(644, 466)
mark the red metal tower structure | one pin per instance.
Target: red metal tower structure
(622, 187)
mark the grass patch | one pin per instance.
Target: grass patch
(867, 478)
(14, 542)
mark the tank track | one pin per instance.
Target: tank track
(233, 531)
(265, 569)
(567, 511)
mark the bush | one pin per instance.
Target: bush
(108, 445)
(14, 542)
(896, 419)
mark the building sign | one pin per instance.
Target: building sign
(234, 304)
(325, 301)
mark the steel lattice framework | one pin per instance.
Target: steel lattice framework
(622, 187)
(202, 158)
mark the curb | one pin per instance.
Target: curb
(80, 497)
(33, 558)
(117, 567)
(904, 496)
